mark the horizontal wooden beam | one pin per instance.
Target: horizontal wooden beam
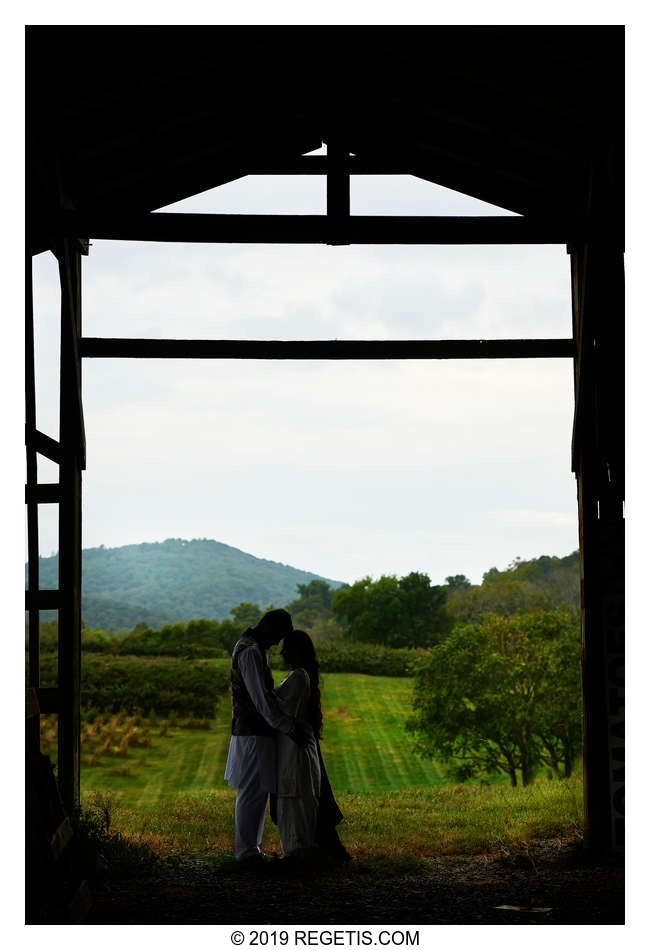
(124, 225)
(317, 165)
(48, 494)
(42, 599)
(99, 347)
(43, 444)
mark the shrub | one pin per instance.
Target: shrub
(348, 656)
(132, 684)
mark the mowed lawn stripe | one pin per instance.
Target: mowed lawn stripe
(367, 747)
(210, 768)
(383, 723)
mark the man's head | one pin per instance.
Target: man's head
(273, 626)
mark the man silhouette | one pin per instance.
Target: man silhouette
(256, 715)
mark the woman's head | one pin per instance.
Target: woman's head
(299, 652)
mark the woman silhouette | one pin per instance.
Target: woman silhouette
(305, 810)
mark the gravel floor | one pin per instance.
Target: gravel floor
(552, 881)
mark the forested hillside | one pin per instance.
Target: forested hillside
(174, 580)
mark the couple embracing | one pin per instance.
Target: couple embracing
(275, 749)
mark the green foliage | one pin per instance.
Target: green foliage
(130, 683)
(504, 595)
(458, 582)
(197, 638)
(173, 581)
(312, 611)
(246, 614)
(397, 612)
(503, 695)
(316, 595)
(346, 656)
(543, 583)
(92, 641)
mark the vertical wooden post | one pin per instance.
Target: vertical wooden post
(33, 723)
(338, 191)
(597, 282)
(72, 461)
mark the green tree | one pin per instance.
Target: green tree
(316, 595)
(502, 695)
(312, 610)
(542, 583)
(397, 612)
(246, 614)
(500, 593)
(458, 582)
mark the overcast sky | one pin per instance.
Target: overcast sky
(341, 468)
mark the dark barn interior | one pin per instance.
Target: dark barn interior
(122, 121)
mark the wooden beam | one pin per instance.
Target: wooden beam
(46, 494)
(318, 165)
(43, 444)
(124, 225)
(69, 656)
(338, 191)
(48, 699)
(598, 461)
(70, 291)
(97, 347)
(33, 623)
(32, 708)
(42, 600)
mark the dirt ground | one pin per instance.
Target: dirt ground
(551, 882)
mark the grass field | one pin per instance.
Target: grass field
(365, 747)
(173, 795)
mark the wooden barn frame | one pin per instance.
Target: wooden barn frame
(94, 174)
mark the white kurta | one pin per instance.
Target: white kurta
(298, 771)
(251, 759)
(258, 752)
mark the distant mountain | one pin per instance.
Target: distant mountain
(175, 580)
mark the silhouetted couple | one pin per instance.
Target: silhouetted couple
(275, 747)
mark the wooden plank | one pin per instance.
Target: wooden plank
(45, 494)
(42, 600)
(43, 444)
(125, 225)
(99, 347)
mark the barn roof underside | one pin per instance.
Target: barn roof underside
(140, 117)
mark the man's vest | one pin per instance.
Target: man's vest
(246, 721)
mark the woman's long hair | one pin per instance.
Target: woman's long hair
(302, 643)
